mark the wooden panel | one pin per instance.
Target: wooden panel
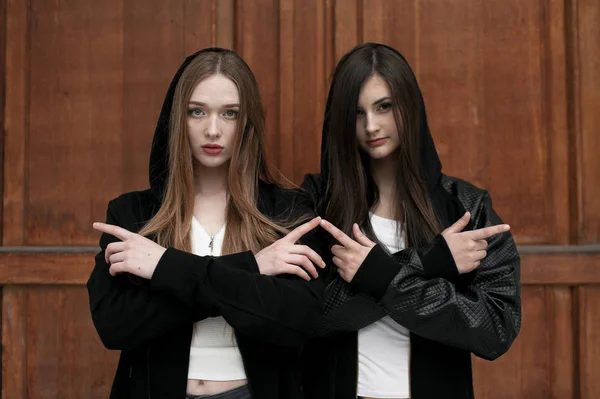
(153, 49)
(522, 372)
(62, 343)
(586, 79)
(83, 107)
(2, 91)
(208, 23)
(256, 41)
(50, 347)
(560, 268)
(540, 362)
(45, 268)
(487, 78)
(74, 107)
(14, 376)
(589, 341)
(296, 62)
(15, 122)
(310, 85)
(397, 25)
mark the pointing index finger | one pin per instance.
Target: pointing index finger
(338, 234)
(487, 232)
(113, 230)
(296, 234)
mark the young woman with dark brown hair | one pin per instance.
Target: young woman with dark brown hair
(184, 284)
(427, 272)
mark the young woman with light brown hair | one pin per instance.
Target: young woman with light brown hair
(184, 284)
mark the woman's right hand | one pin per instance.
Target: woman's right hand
(469, 247)
(284, 256)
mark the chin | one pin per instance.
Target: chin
(211, 162)
(379, 153)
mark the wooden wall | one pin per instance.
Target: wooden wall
(512, 89)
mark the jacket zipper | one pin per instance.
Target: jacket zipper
(211, 244)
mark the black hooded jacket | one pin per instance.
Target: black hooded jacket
(449, 315)
(151, 322)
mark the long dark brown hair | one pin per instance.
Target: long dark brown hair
(247, 227)
(351, 190)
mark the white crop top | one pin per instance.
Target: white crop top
(214, 354)
(384, 346)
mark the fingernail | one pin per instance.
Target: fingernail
(506, 227)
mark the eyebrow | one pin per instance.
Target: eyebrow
(381, 100)
(224, 106)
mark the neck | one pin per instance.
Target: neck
(384, 175)
(210, 181)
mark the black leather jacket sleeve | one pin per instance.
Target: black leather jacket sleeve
(479, 312)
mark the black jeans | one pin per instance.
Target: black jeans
(237, 393)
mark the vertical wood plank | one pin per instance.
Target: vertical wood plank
(74, 113)
(561, 351)
(3, 24)
(14, 350)
(15, 122)
(153, 51)
(347, 23)
(523, 371)
(586, 79)
(225, 23)
(287, 105)
(62, 344)
(310, 85)
(198, 23)
(257, 42)
(589, 339)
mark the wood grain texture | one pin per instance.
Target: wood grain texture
(489, 71)
(14, 349)
(3, 24)
(310, 85)
(585, 77)
(589, 341)
(256, 41)
(62, 343)
(16, 126)
(523, 371)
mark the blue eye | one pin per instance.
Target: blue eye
(196, 112)
(231, 114)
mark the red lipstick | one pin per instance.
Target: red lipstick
(377, 142)
(212, 149)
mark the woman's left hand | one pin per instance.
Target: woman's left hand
(134, 254)
(350, 254)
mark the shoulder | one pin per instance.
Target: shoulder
(133, 209)
(469, 195)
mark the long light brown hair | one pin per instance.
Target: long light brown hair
(247, 228)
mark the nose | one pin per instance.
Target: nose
(371, 125)
(212, 129)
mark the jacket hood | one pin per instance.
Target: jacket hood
(431, 166)
(159, 153)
